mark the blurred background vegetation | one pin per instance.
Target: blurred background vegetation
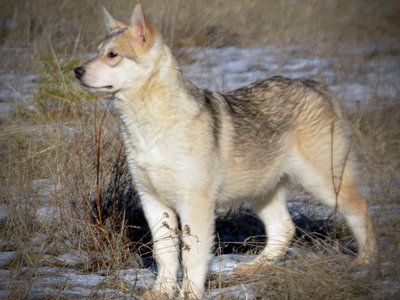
(78, 25)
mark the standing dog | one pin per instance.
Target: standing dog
(189, 148)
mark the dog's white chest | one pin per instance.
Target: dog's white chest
(159, 163)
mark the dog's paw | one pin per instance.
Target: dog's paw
(246, 269)
(252, 267)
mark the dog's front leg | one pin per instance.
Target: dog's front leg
(163, 224)
(197, 220)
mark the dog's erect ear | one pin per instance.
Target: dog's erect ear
(142, 31)
(110, 22)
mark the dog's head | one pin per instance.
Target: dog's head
(125, 58)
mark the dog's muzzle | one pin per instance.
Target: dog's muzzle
(79, 72)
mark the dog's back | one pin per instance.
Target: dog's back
(270, 123)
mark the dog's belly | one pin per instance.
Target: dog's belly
(178, 176)
(248, 186)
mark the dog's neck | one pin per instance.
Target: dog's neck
(165, 93)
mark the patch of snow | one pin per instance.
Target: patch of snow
(353, 91)
(301, 252)
(43, 187)
(48, 213)
(387, 212)
(16, 90)
(3, 213)
(388, 289)
(4, 294)
(139, 278)
(72, 259)
(72, 279)
(7, 257)
(74, 291)
(239, 292)
(228, 262)
(39, 239)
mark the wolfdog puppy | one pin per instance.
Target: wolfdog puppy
(189, 149)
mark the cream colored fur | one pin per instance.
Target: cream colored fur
(187, 154)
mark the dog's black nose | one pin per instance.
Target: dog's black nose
(79, 72)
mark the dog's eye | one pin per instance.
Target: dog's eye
(111, 54)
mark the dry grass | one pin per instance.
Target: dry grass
(319, 24)
(61, 155)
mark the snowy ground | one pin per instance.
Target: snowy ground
(216, 69)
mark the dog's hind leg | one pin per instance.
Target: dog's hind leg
(342, 195)
(279, 228)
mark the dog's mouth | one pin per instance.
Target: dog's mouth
(97, 88)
